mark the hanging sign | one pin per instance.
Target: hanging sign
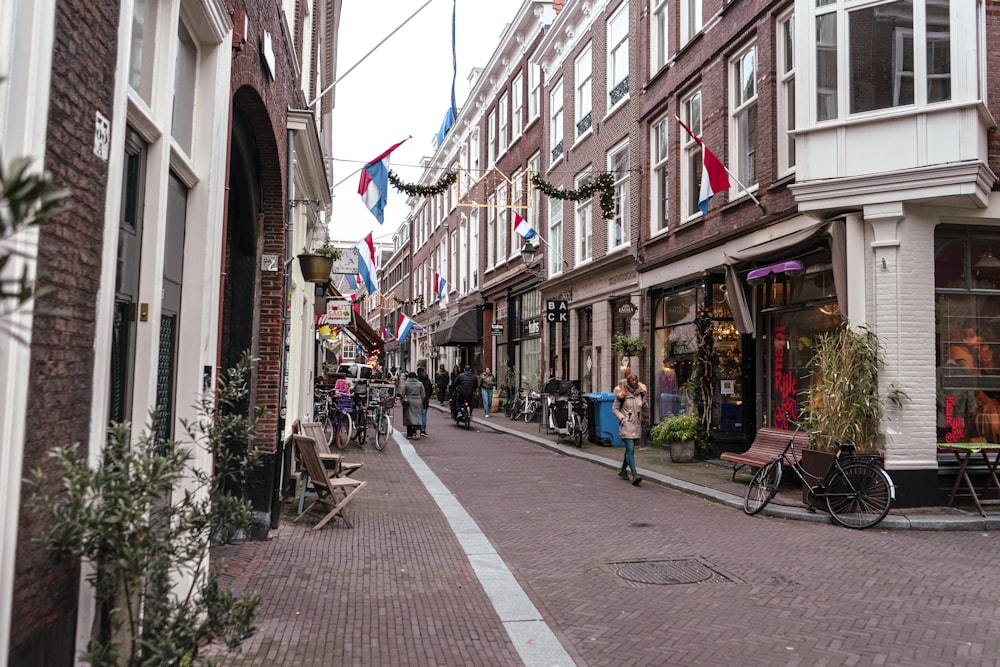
(338, 311)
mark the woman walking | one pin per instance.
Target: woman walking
(425, 380)
(412, 395)
(486, 383)
(629, 406)
(442, 380)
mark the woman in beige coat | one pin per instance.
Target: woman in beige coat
(629, 407)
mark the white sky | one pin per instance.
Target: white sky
(402, 89)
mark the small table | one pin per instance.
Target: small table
(964, 451)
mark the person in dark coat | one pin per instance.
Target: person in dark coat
(442, 380)
(412, 395)
(463, 388)
(425, 380)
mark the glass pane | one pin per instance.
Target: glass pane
(949, 265)
(881, 54)
(788, 41)
(826, 67)
(938, 51)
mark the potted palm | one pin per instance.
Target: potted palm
(317, 263)
(680, 433)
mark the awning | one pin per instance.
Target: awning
(463, 329)
(363, 333)
(777, 249)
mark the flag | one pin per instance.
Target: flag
(451, 113)
(439, 283)
(403, 328)
(374, 185)
(713, 174)
(522, 227)
(352, 281)
(385, 333)
(366, 262)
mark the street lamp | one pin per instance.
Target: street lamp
(528, 253)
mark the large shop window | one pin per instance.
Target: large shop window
(795, 309)
(674, 350)
(967, 328)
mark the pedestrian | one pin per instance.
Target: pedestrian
(463, 388)
(412, 398)
(486, 383)
(629, 408)
(425, 380)
(442, 380)
(455, 372)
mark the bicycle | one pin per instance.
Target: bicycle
(322, 403)
(576, 424)
(515, 405)
(531, 405)
(380, 402)
(339, 422)
(464, 414)
(857, 492)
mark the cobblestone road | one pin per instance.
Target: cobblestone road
(621, 575)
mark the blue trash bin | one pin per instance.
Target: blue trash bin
(605, 426)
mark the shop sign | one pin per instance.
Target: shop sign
(627, 308)
(556, 310)
(338, 311)
(496, 329)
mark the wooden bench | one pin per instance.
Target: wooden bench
(768, 445)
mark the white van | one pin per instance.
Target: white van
(355, 372)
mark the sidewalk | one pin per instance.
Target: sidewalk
(713, 480)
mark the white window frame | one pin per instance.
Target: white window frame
(584, 92)
(691, 19)
(690, 157)
(503, 126)
(491, 230)
(556, 137)
(743, 119)
(555, 235)
(491, 138)
(620, 227)
(785, 98)
(517, 107)
(534, 91)
(583, 221)
(618, 55)
(659, 186)
(503, 223)
(659, 35)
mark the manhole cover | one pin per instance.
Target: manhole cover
(665, 572)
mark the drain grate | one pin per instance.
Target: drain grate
(666, 572)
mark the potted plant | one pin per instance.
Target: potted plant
(680, 433)
(628, 347)
(317, 263)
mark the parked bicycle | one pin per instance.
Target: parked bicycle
(339, 425)
(532, 405)
(515, 404)
(322, 409)
(577, 425)
(857, 491)
(362, 418)
(381, 399)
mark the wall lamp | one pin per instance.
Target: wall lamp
(528, 251)
(792, 267)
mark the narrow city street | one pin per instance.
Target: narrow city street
(613, 574)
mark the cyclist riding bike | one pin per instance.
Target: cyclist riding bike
(463, 388)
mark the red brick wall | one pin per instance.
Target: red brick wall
(69, 266)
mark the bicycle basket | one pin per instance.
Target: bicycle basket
(345, 403)
(388, 401)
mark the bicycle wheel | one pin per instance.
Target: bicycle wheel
(510, 408)
(763, 487)
(381, 430)
(529, 411)
(342, 429)
(328, 429)
(858, 495)
(361, 428)
(578, 429)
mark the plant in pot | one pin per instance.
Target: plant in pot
(317, 263)
(680, 432)
(627, 348)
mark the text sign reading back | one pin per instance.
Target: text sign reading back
(556, 310)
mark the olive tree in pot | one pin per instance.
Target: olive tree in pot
(680, 433)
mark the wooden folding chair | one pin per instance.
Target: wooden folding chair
(326, 487)
(333, 462)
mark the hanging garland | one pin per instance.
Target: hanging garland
(604, 182)
(414, 190)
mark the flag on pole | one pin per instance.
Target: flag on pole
(385, 333)
(374, 185)
(452, 112)
(403, 328)
(366, 263)
(713, 173)
(439, 283)
(352, 281)
(522, 227)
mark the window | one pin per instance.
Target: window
(658, 27)
(659, 187)
(881, 54)
(743, 115)
(473, 249)
(938, 51)
(502, 142)
(826, 66)
(491, 138)
(534, 91)
(556, 122)
(618, 56)
(140, 74)
(517, 107)
(786, 92)
(503, 224)
(619, 233)
(584, 92)
(491, 230)
(531, 214)
(584, 224)
(184, 88)
(690, 19)
(555, 235)
(690, 157)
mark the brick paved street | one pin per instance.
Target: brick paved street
(620, 575)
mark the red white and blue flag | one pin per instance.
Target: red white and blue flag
(714, 178)
(385, 333)
(352, 281)
(439, 283)
(403, 327)
(374, 185)
(522, 227)
(366, 263)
